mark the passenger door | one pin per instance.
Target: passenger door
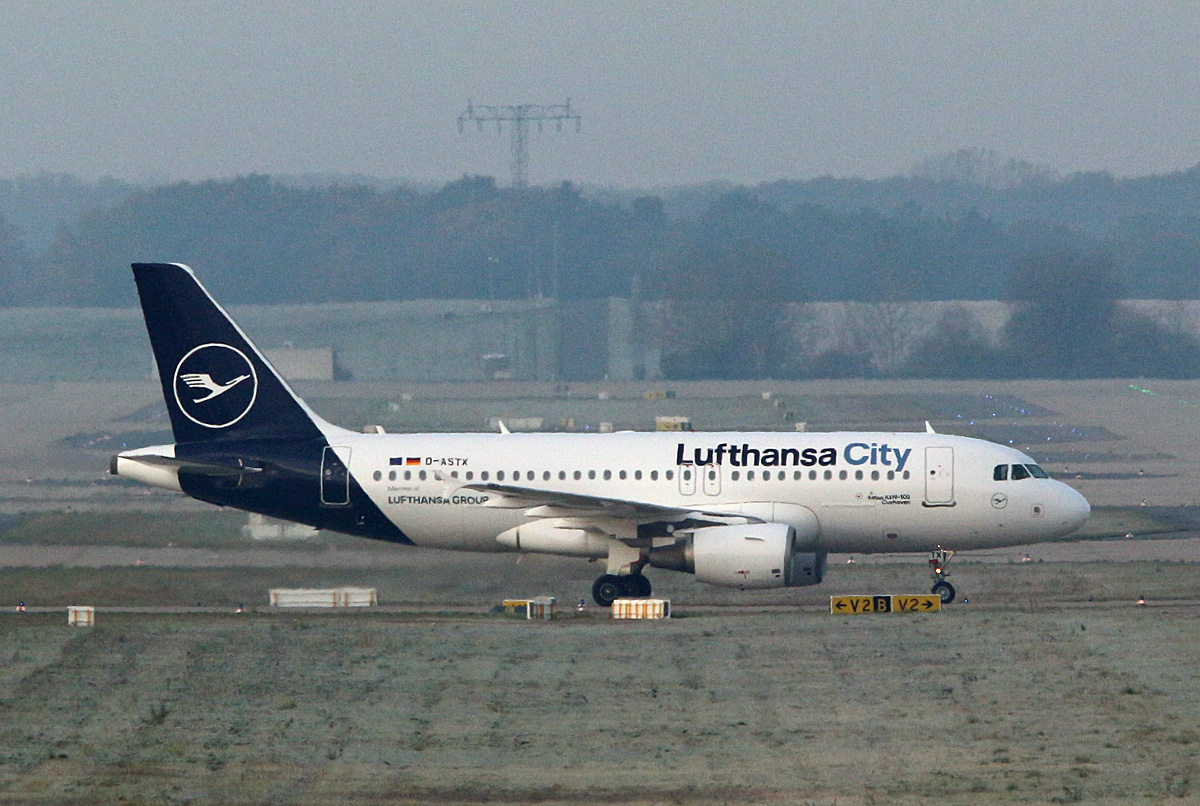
(939, 477)
(335, 478)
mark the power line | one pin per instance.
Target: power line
(520, 116)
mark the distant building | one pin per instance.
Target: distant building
(303, 363)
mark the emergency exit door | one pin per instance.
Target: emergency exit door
(687, 479)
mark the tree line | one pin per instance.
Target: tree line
(1063, 251)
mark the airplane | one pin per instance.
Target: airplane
(736, 509)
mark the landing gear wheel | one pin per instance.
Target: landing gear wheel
(635, 585)
(945, 590)
(607, 589)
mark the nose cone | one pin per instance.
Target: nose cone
(1073, 508)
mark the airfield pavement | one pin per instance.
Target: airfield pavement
(1048, 685)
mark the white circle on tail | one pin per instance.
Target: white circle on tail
(215, 385)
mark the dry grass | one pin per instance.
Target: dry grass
(980, 706)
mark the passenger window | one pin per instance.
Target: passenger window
(470, 475)
(607, 475)
(735, 475)
(391, 475)
(622, 475)
(712, 474)
(874, 475)
(670, 474)
(637, 475)
(378, 475)
(578, 475)
(1000, 473)
(842, 475)
(891, 475)
(812, 475)
(591, 474)
(422, 475)
(1019, 472)
(1037, 472)
(749, 475)
(828, 475)
(408, 475)
(858, 475)
(545, 475)
(529, 475)
(562, 475)
(797, 475)
(905, 474)
(453, 474)
(499, 475)
(483, 476)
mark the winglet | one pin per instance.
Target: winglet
(503, 428)
(929, 428)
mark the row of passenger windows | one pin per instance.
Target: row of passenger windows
(529, 475)
(797, 475)
(736, 475)
(1001, 472)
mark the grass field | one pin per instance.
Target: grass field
(1029, 703)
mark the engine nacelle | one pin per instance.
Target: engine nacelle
(553, 536)
(757, 555)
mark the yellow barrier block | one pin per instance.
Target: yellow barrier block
(511, 605)
(641, 608)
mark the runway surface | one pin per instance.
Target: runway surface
(1185, 549)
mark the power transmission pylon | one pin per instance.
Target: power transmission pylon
(520, 117)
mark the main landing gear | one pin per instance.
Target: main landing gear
(611, 587)
(937, 567)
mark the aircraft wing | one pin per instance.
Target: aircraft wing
(539, 503)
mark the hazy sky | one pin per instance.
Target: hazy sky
(670, 92)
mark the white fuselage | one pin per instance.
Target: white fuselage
(870, 492)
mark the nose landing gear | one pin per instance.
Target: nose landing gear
(937, 568)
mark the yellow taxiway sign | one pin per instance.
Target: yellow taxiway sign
(914, 603)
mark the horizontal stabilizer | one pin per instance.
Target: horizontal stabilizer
(200, 468)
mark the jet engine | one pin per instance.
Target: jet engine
(756, 555)
(554, 536)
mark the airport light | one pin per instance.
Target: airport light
(519, 116)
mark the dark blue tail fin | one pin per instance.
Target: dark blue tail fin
(216, 383)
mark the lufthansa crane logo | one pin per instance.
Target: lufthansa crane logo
(215, 385)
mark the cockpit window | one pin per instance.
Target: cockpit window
(1020, 472)
(1037, 472)
(1000, 473)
